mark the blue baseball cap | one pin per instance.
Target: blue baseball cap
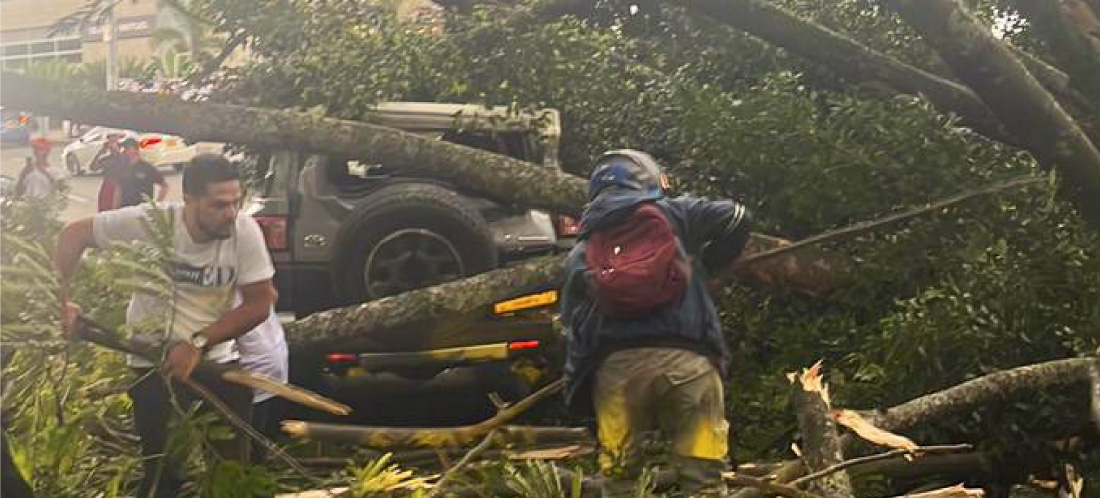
(626, 169)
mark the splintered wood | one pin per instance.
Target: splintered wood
(957, 491)
(811, 381)
(286, 391)
(869, 432)
(821, 447)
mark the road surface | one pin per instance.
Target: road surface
(82, 189)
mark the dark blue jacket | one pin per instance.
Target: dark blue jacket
(713, 234)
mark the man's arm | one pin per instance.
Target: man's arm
(257, 300)
(75, 237)
(717, 230)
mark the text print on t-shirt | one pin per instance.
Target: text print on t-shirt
(206, 276)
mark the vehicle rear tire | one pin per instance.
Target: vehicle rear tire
(73, 164)
(408, 236)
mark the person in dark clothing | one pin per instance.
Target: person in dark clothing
(107, 160)
(660, 369)
(136, 178)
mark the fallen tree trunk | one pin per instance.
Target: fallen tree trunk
(496, 175)
(987, 389)
(1025, 108)
(405, 321)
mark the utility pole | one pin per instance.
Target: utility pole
(110, 37)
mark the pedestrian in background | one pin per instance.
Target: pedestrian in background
(36, 181)
(108, 157)
(136, 179)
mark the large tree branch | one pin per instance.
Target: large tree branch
(806, 39)
(1072, 29)
(849, 58)
(1080, 107)
(496, 175)
(1025, 108)
(997, 387)
(408, 321)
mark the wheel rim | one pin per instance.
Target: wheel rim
(410, 259)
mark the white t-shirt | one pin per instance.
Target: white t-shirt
(205, 275)
(263, 351)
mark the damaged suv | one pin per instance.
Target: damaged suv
(342, 231)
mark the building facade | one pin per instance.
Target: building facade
(28, 32)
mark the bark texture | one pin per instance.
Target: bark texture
(821, 446)
(420, 318)
(495, 175)
(994, 388)
(1025, 108)
(1072, 29)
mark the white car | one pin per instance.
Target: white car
(157, 149)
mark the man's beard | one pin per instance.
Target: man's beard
(216, 233)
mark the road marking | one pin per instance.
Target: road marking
(77, 198)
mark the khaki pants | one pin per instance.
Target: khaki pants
(639, 390)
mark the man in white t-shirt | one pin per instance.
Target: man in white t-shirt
(217, 251)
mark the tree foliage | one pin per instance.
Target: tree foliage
(999, 283)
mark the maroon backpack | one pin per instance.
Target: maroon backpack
(637, 265)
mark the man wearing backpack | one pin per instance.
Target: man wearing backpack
(644, 343)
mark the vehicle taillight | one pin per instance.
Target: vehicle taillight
(149, 142)
(274, 228)
(341, 358)
(516, 346)
(568, 226)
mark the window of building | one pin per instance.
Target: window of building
(17, 54)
